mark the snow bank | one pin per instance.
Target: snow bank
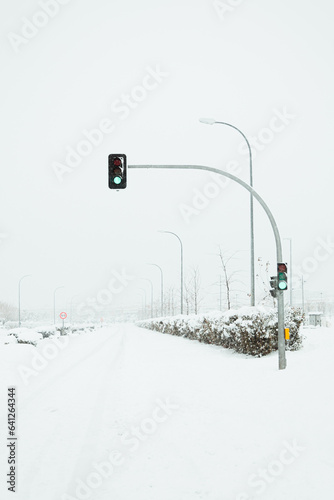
(7, 339)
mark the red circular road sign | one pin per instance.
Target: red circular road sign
(63, 315)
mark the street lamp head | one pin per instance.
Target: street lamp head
(208, 121)
(25, 276)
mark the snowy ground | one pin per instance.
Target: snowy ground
(128, 414)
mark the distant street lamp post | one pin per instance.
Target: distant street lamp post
(54, 303)
(161, 287)
(170, 232)
(25, 276)
(211, 121)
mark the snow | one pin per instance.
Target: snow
(25, 335)
(5, 338)
(128, 413)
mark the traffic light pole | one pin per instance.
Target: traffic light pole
(280, 301)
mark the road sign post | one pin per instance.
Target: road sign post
(63, 316)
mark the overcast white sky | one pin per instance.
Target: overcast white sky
(265, 67)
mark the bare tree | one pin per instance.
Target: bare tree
(264, 278)
(196, 289)
(170, 301)
(193, 296)
(7, 312)
(187, 296)
(229, 278)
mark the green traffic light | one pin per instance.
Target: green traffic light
(117, 180)
(282, 285)
(282, 281)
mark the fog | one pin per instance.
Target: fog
(86, 79)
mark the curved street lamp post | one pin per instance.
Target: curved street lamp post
(161, 287)
(181, 256)
(211, 121)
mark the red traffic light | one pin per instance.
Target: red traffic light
(117, 162)
(282, 268)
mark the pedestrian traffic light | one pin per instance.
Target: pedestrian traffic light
(282, 276)
(117, 171)
(273, 285)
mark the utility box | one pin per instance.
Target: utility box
(315, 318)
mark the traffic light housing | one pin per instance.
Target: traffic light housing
(117, 170)
(273, 285)
(282, 276)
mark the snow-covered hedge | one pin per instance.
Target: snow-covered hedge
(249, 330)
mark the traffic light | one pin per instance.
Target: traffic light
(273, 284)
(117, 171)
(282, 276)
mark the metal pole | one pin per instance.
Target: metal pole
(25, 276)
(303, 303)
(170, 232)
(212, 122)
(54, 303)
(161, 287)
(291, 272)
(280, 302)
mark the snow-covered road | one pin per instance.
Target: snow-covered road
(131, 414)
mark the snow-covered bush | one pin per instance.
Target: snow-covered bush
(26, 336)
(249, 330)
(47, 331)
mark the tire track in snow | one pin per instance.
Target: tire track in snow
(70, 398)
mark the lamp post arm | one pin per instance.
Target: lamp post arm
(239, 181)
(249, 149)
(181, 291)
